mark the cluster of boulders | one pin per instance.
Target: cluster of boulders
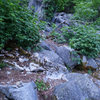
(55, 61)
(77, 87)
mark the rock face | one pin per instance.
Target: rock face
(68, 57)
(62, 18)
(37, 5)
(21, 91)
(78, 87)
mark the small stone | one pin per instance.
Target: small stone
(22, 59)
(35, 67)
(1, 55)
(8, 72)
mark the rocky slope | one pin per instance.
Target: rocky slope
(51, 73)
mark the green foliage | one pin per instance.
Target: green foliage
(96, 3)
(49, 8)
(42, 25)
(17, 24)
(52, 6)
(68, 32)
(90, 72)
(3, 64)
(57, 37)
(41, 86)
(86, 41)
(85, 11)
(76, 58)
(97, 22)
(64, 36)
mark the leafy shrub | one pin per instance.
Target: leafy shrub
(65, 34)
(85, 11)
(96, 3)
(17, 24)
(49, 8)
(97, 22)
(58, 37)
(86, 41)
(3, 64)
(41, 86)
(68, 32)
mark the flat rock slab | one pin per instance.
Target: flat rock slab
(20, 91)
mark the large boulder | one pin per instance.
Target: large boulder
(20, 91)
(52, 63)
(70, 58)
(78, 87)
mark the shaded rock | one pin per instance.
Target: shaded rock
(2, 56)
(66, 53)
(45, 46)
(3, 97)
(89, 63)
(62, 18)
(78, 87)
(10, 56)
(48, 28)
(21, 91)
(92, 63)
